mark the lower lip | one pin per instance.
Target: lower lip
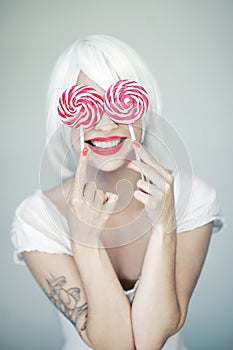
(106, 151)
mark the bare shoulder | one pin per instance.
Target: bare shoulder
(58, 195)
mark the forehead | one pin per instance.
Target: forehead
(84, 79)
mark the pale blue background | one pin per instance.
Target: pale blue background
(188, 45)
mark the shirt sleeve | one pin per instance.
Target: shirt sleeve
(38, 226)
(203, 208)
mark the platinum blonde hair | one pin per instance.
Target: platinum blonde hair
(105, 60)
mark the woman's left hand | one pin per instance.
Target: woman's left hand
(157, 191)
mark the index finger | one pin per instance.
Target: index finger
(147, 158)
(81, 172)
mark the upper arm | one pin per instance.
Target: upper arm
(58, 276)
(192, 247)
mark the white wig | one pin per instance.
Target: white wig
(105, 60)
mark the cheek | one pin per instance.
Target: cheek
(75, 139)
(138, 129)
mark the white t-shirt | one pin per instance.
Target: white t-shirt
(39, 225)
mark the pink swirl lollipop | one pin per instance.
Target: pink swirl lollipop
(80, 107)
(126, 101)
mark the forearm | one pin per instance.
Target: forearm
(155, 310)
(109, 315)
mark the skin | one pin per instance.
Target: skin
(78, 288)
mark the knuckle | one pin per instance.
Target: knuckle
(92, 184)
(99, 193)
(168, 186)
(169, 175)
(137, 193)
(72, 201)
(140, 183)
(171, 178)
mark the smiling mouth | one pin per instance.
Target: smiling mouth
(103, 143)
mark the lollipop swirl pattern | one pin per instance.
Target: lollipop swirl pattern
(126, 101)
(80, 106)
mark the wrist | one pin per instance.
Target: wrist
(159, 232)
(89, 244)
(162, 228)
(85, 235)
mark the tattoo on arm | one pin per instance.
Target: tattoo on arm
(66, 300)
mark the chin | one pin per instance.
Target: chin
(112, 165)
(111, 162)
(107, 165)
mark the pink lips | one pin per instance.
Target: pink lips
(106, 151)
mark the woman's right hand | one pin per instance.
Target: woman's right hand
(88, 208)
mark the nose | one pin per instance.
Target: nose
(105, 123)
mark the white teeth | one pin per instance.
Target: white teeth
(106, 144)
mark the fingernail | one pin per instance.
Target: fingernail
(136, 143)
(85, 151)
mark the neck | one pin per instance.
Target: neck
(113, 180)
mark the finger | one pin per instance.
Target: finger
(151, 202)
(89, 192)
(147, 158)
(81, 172)
(110, 201)
(99, 198)
(142, 197)
(148, 188)
(147, 170)
(153, 206)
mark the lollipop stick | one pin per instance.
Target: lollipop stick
(81, 138)
(143, 177)
(133, 138)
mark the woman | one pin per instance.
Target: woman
(108, 244)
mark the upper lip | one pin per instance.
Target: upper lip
(105, 139)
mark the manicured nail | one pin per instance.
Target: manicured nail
(85, 151)
(136, 143)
